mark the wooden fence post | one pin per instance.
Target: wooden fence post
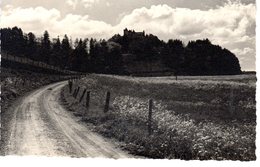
(74, 93)
(88, 99)
(83, 94)
(107, 102)
(23, 81)
(87, 103)
(150, 117)
(231, 102)
(70, 86)
(77, 92)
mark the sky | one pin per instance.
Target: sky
(228, 23)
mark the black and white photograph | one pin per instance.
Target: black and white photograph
(129, 79)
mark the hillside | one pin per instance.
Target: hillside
(199, 57)
(130, 54)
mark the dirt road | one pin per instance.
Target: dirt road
(41, 126)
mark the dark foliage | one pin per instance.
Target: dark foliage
(199, 57)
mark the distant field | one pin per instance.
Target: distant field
(210, 95)
(198, 117)
(231, 79)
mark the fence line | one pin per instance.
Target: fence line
(107, 105)
(24, 60)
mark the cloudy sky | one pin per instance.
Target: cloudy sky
(229, 23)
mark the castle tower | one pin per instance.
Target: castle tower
(125, 32)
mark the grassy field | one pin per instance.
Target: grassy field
(193, 118)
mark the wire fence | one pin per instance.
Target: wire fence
(26, 61)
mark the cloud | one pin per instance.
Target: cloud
(85, 3)
(72, 3)
(82, 26)
(39, 19)
(246, 60)
(88, 3)
(231, 25)
(30, 19)
(229, 21)
(108, 4)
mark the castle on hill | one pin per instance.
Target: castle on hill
(133, 33)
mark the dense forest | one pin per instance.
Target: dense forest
(131, 53)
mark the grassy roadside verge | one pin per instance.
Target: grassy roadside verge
(192, 120)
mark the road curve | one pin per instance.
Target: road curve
(41, 126)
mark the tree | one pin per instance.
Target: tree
(204, 58)
(13, 41)
(173, 55)
(31, 47)
(66, 52)
(18, 41)
(45, 49)
(56, 57)
(98, 60)
(113, 59)
(79, 60)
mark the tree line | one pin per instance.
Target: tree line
(198, 57)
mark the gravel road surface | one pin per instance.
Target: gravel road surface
(41, 126)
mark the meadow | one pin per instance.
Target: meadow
(207, 117)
